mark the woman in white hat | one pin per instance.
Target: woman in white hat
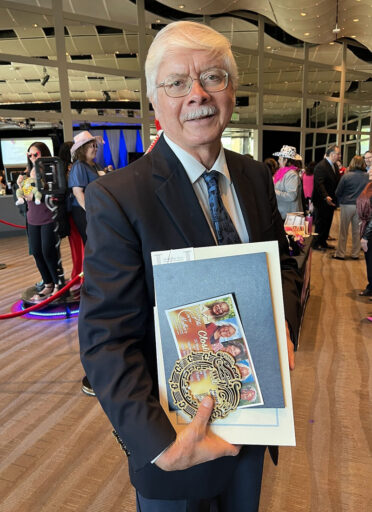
(83, 171)
(287, 182)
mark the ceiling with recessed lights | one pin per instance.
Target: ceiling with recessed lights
(101, 43)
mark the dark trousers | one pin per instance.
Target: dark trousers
(368, 257)
(241, 495)
(323, 216)
(42, 241)
(80, 219)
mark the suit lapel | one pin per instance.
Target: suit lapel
(245, 193)
(176, 194)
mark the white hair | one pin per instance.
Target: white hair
(192, 36)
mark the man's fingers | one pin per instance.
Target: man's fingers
(204, 412)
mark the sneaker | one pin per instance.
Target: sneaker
(46, 292)
(39, 286)
(86, 387)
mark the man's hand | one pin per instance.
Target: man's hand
(196, 443)
(329, 201)
(364, 244)
(290, 348)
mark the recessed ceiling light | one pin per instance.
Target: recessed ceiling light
(268, 47)
(331, 43)
(356, 19)
(303, 14)
(306, 33)
(36, 25)
(181, 6)
(353, 37)
(158, 21)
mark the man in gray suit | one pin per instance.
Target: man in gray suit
(161, 202)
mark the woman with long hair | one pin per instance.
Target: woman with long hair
(74, 238)
(41, 232)
(364, 209)
(348, 190)
(83, 171)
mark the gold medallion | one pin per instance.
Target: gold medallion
(206, 373)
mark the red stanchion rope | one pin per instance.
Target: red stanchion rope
(11, 224)
(46, 301)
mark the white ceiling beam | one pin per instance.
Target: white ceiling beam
(103, 70)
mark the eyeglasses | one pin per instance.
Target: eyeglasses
(35, 155)
(212, 80)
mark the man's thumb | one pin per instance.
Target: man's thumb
(204, 411)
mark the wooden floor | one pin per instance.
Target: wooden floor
(56, 448)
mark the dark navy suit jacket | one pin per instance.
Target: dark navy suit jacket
(150, 206)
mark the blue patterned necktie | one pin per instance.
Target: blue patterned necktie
(223, 226)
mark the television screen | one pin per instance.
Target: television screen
(14, 151)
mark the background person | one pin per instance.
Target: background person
(42, 238)
(272, 164)
(308, 184)
(287, 182)
(83, 171)
(364, 208)
(74, 238)
(326, 178)
(161, 201)
(348, 190)
(368, 161)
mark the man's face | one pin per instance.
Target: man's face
(226, 331)
(335, 155)
(220, 308)
(205, 131)
(368, 159)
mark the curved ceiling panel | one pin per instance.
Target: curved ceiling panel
(307, 20)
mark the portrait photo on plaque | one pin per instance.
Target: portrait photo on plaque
(214, 325)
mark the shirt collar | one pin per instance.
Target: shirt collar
(195, 169)
(330, 162)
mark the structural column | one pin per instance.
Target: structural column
(142, 51)
(64, 87)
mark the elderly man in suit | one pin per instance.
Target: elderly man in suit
(326, 178)
(164, 201)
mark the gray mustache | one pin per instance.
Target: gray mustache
(204, 111)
